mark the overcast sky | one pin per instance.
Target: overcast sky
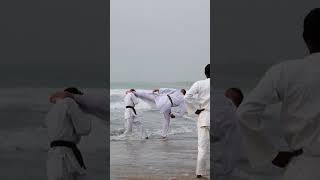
(259, 32)
(159, 40)
(250, 36)
(50, 41)
(53, 31)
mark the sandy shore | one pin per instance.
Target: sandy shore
(174, 158)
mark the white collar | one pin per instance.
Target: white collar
(314, 56)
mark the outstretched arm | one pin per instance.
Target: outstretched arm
(166, 90)
(96, 105)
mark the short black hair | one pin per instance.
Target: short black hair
(183, 91)
(311, 33)
(73, 90)
(207, 71)
(237, 98)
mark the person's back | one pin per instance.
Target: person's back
(59, 123)
(130, 101)
(300, 95)
(204, 94)
(177, 98)
(168, 98)
(202, 91)
(296, 84)
(66, 123)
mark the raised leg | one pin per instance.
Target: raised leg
(145, 95)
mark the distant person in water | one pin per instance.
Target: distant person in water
(226, 140)
(165, 99)
(130, 113)
(296, 85)
(66, 124)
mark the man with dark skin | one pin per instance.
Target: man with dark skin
(226, 142)
(296, 85)
(234, 94)
(197, 101)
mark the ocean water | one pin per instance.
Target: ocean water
(23, 135)
(136, 158)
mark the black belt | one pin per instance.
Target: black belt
(74, 148)
(170, 100)
(131, 107)
(284, 157)
(297, 152)
(198, 111)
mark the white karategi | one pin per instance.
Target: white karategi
(95, 104)
(163, 103)
(198, 97)
(130, 116)
(296, 84)
(226, 140)
(65, 121)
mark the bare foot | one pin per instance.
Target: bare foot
(199, 176)
(163, 138)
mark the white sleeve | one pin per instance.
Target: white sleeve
(190, 98)
(167, 91)
(134, 99)
(97, 105)
(80, 120)
(268, 91)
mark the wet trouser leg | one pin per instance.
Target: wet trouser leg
(128, 125)
(140, 128)
(203, 150)
(166, 123)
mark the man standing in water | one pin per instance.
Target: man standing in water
(197, 100)
(296, 84)
(130, 101)
(165, 99)
(66, 124)
(226, 142)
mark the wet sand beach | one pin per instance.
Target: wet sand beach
(173, 158)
